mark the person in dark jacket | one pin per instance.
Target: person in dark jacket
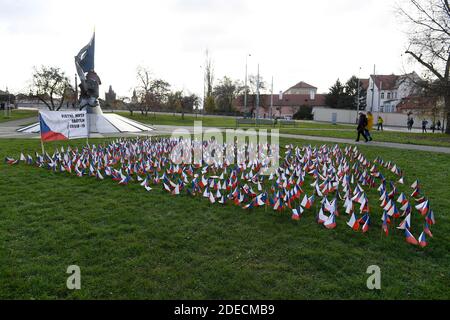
(362, 123)
(424, 126)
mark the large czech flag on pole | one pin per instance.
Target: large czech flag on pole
(63, 125)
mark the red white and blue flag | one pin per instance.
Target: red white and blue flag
(423, 240)
(63, 125)
(410, 238)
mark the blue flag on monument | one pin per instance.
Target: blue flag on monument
(86, 56)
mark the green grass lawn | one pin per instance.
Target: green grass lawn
(17, 114)
(131, 243)
(220, 122)
(176, 120)
(309, 128)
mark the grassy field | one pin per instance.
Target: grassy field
(220, 122)
(16, 115)
(134, 244)
(303, 128)
(176, 120)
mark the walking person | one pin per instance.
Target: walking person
(380, 122)
(439, 125)
(369, 125)
(361, 128)
(411, 123)
(424, 126)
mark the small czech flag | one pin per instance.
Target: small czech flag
(410, 238)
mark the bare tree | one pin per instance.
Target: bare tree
(225, 94)
(253, 89)
(253, 84)
(209, 74)
(151, 93)
(429, 44)
(189, 103)
(128, 103)
(143, 89)
(50, 85)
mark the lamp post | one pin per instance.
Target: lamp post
(7, 104)
(257, 97)
(271, 99)
(373, 88)
(204, 90)
(379, 98)
(358, 94)
(246, 79)
(76, 91)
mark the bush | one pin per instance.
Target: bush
(304, 113)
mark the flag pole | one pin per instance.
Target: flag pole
(40, 133)
(88, 128)
(42, 146)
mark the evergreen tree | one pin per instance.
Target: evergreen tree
(336, 92)
(346, 96)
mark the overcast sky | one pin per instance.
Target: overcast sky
(293, 40)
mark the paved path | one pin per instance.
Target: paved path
(8, 130)
(168, 130)
(18, 123)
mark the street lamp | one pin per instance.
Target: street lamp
(358, 94)
(7, 111)
(257, 97)
(373, 87)
(271, 100)
(204, 89)
(246, 79)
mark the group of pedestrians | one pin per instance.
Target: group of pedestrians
(434, 126)
(365, 125)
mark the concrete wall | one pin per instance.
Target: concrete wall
(349, 117)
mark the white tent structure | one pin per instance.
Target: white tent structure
(103, 123)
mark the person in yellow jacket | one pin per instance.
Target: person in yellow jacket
(380, 123)
(369, 126)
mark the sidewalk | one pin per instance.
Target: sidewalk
(8, 128)
(167, 130)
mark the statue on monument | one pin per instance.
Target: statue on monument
(90, 81)
(98, 121)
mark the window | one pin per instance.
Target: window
(382, 95)
(389, 95)
(395, 95)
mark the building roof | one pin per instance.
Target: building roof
(386, 82)
(416, 103)
(302, 85)
(392, 81)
